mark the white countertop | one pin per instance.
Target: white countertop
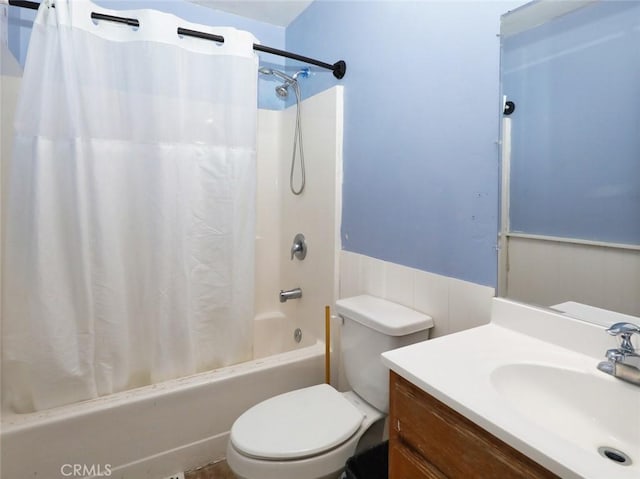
(457, 370)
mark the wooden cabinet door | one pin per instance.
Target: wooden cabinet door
(450, 443)
(404, 464)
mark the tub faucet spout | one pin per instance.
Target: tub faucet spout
(290, 294)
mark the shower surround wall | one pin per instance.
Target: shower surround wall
(315, 213)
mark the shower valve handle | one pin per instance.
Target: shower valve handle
(299, 247)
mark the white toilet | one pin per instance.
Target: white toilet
(310, 433)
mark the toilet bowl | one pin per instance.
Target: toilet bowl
(311, 432)
(305, 434)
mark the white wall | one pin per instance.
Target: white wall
(9, 86)
(548, 272)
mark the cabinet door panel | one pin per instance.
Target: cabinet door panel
(454, 445)
(403, 464)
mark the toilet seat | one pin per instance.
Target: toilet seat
(296, 424)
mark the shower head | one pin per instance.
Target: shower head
(282, 90)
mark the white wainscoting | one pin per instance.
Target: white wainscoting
(546, 272)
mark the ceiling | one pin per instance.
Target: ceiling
(275, 12)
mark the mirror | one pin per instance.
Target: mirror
(570, 156)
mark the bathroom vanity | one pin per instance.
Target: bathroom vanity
(429, 440)
(520, 397)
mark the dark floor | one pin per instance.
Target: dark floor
(217, 470)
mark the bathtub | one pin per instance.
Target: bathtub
(156, 431)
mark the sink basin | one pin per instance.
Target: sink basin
(590, 409)
(530, 378)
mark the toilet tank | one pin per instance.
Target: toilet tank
(370, 327)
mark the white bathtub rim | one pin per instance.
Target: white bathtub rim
(15, 422)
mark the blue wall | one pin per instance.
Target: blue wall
(20, 21)
(575, 169)
(421, 121)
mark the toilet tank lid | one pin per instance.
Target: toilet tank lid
(382, 315)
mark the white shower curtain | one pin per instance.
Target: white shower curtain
(130, 220)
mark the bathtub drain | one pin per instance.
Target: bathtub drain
(615, 455)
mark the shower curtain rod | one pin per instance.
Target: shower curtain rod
(339, 68)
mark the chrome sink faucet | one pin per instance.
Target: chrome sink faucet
(623, 362)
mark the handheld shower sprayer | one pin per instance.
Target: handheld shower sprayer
(283, 92)
(276, 73)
